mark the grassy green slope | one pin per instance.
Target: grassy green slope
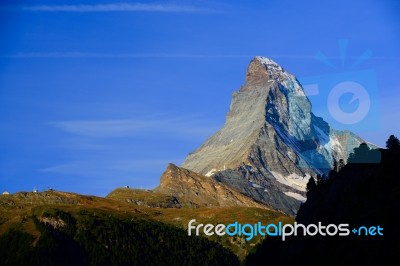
(105, 229)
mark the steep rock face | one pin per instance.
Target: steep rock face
(271, 139)
(197, 190)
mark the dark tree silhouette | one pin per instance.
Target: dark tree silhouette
(359, 154)
(311, 185)
(335, 166)
(393, 143)
(363, 154)
(341, 164)
(320, 179)
(364, 192)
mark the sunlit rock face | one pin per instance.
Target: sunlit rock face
(271, 142)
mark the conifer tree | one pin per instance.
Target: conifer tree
(393, 143)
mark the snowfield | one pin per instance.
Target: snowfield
(296, 196)
(293, 180)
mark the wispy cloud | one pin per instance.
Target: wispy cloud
(107, 174)
(124, 148)
(102, 167)
(120, 7)
(182, 126)
(87, 55)
(56, 55)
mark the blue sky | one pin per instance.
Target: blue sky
(99, 94)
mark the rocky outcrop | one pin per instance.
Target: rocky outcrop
(195, 190)
(146, 198)
(54, 222)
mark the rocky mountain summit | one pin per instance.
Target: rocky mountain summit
(271, 142)
(196, 190)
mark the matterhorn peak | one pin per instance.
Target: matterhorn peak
(271, 142)
(268, 62)
(263, 70)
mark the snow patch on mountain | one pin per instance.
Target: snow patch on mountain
(255, 185)
(296, 196)
(293, 180)
(211, 172)
(334, 144)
